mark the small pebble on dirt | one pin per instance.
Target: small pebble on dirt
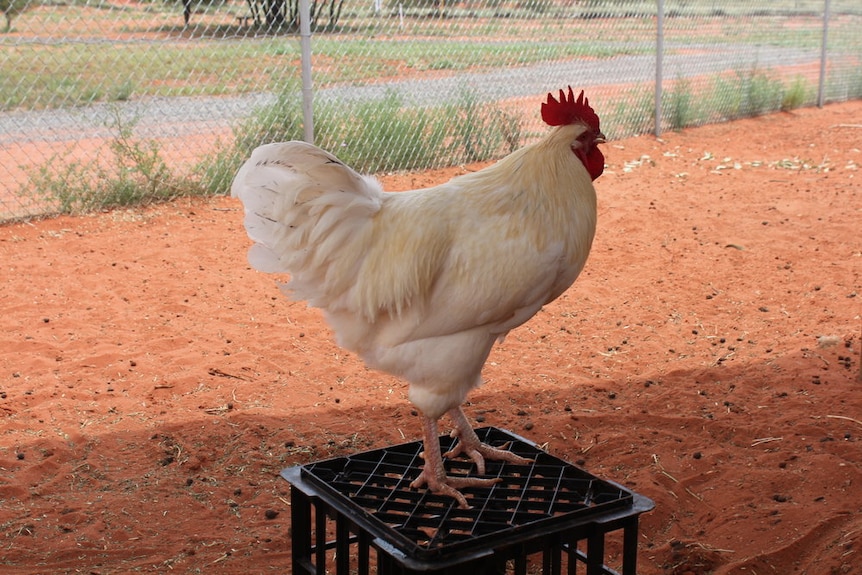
(270, 513)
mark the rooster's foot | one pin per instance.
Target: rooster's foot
(441, 484)
(469, 445)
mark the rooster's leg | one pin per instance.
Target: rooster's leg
(434, 474)
(469, 444)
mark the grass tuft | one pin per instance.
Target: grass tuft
(376, 136)
(136, 175)
(680, 108)
(382, 135)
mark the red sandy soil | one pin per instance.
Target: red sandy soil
(152, 385)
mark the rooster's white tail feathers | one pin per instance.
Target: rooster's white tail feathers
(308, 215)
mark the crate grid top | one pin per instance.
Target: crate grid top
(373, 488)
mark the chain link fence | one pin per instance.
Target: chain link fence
(106, 103)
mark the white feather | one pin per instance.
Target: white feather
(303, 208)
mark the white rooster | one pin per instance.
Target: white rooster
(422, 283)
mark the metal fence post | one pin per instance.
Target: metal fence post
(821, 86)
(307, 87)
(659, 51)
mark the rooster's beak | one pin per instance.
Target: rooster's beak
(600, 139)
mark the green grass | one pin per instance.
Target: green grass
(55, 76)
(372, 137)
(631, 113)
(137, 174)
(376, 136)
(75, 74)
(81, 66)
(679, 105)
(748, 93)
(797, 94)
(384, 135)
(361, 60)
(686, 103)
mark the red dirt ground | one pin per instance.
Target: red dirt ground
(152, 386)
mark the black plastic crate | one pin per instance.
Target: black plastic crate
(547, 506)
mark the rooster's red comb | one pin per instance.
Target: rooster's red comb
(567, 110)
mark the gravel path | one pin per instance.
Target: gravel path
(177, 117)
